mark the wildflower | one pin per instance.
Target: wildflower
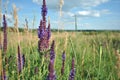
(5, 34)
(63, 62)
(44, 10)
(52, 52)
(63, 56)
(72, 72)
(43, 32)
(51, 75)
(5, 37)
(42, 44)
(21, 60)
(49, 32)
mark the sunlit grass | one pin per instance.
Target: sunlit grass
(94, 56)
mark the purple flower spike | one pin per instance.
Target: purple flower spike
(5, 38)
(49, 32)
(5, 34)
(63, 56)
(21, 60)
(52, 52)
(72, 72)
(52, 75)
(44, 10)
(40, 30)
(43, 32)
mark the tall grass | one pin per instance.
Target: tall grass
(117, 54)
(90, 64)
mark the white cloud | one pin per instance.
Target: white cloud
(70, 14)
(89, 13)
(92, 3)
(84, 13)
(36, 1)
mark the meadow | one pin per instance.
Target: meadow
(46, 54)
(96, 55)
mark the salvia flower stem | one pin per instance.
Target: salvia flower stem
(51, 75)
(5, 38)
(4, 68)
(21, 60)
(72, 72)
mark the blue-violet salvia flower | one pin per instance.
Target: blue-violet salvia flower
(20, 60)
(72, 72)
(5, 34)
(52, 52)
(63, 56)
(49, 32)
(51, 75)
(44, 10)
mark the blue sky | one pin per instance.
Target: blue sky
(91, 14)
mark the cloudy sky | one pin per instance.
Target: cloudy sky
(91, 14)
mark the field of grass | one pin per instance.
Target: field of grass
(94, 55)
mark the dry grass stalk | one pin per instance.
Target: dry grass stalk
(61, 5)
(15, 9)
(15, 17)
(83, 57)
(66, 40)
(26, 26)
(26, 30)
